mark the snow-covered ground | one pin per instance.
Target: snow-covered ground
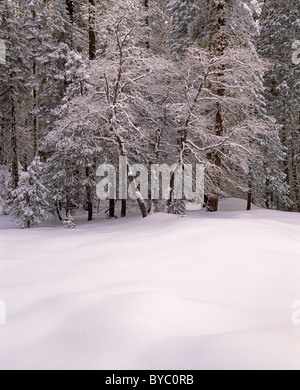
(202, 292)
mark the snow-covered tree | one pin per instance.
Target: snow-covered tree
(69, 222)
(183, 13)
(227, 101)
(121, 76)
(30, 201)
(280, 26)
(15, 138)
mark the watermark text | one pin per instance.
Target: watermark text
(2, 313)
(296, 53)
(2, 52)
(296, 313)
(161, 182)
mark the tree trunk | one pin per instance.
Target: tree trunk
(89, 196)
(124, 208)
(268, 195)
(92, 34)
(140, 200)
(294, 174)
(92, 57)
(249, 199)
(286, 164)
(213, 202)
(70, 8)
(112, 208)
(147, 22)
(58, 213)
(14, 147)
(35, 121)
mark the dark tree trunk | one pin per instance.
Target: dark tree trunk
(268, 194)
(147, 22)
(92, 34)
(112, 208)
(14, 147)
(70, 8)
(35, 121)
(68, 207)
(89, 196)
(249, 198)
(172, 186)
(295, 173)
(124, 208)
(58, 213)
(34, 94)
(213, 202)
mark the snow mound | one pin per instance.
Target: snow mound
(234, 204)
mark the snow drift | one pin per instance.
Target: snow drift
(202, 292)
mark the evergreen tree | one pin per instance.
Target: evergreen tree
(15, 138)
(29, 202)
(280, 23)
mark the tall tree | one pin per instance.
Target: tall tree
(92, 32)
(13, 93)
(280, 26)
(232, 98)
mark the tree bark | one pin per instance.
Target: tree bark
(294, 174)
(35, 121)
(58, 213)
(14, 145)
(213, 202)
(147, 22)
(92, 57)
(92, 34)
(124, 208)
(249, 198)
(89, 196)
(268, 195)
(70, 8)
(112, 208)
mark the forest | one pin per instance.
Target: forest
(210, 82)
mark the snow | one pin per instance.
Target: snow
(235, 204)
(209, 291)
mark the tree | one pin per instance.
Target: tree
(16, 140)
(29, 202)
(125, 110)
(279, 29)
(231, 118)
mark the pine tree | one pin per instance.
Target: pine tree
(183, 14)
(29, 205)
(69, 222)
(52, 42)
(16, 140)
(280, 22)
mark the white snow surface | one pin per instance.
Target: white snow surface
(209, 291)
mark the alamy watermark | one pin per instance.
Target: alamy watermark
(2, 313)
(296, 313)
(163, 182)
(296, 53)
(2, 52)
